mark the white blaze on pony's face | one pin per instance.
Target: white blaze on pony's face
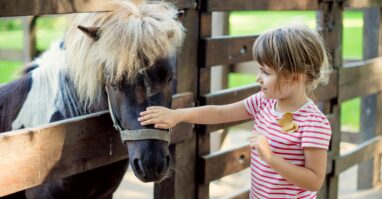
(115, 48)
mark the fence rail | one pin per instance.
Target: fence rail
(45, 7)
(34, 156)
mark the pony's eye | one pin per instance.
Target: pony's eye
(114, 86)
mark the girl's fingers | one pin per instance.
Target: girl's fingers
(152, 107)
(143, 113)
(147, 117)
(150, 121)
(161, 126)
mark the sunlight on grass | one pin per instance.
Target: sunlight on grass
(9, 70)
(350, 115)
(237, 79)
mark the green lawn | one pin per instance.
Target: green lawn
(241, 23)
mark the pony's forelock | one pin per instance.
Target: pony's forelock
(132, 36)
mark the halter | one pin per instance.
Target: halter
(140, 134)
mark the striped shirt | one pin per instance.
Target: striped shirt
(313, 131)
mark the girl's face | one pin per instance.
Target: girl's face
(267, 78)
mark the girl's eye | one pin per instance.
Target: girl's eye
(265, 72)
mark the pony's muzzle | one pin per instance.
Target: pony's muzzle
(153, 162)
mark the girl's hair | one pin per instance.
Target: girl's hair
(294, 49)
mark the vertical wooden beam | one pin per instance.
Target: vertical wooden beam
(204, 87)
(30, 50)
(181, 184)
(219, 74)
(371, 21)
(330, 25)
(377, 181)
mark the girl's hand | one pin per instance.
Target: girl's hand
(260, 143)
(161, 117)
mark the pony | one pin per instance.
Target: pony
(122, 60)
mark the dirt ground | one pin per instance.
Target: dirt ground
(131, 187)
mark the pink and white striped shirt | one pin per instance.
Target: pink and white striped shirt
(313, 131)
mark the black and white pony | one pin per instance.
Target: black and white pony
(122, 60)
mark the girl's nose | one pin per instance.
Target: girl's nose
(258, 79)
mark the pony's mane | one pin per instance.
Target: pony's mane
(133, 35)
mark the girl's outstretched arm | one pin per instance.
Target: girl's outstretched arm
(165, 118)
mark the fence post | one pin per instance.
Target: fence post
(204, 87)
(182, 182)
(330, 25)
(219, 74)
(371, 21)
(30, 50)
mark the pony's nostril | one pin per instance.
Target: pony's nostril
(138, 168)
(168, 160)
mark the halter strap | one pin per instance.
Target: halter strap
(140, 134)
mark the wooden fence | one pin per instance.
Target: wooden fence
(191, 151)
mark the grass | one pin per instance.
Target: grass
(11, 69)
(51, 28)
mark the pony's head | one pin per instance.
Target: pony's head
(128, 55)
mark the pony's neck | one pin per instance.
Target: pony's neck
(69, 104)
(52, 95)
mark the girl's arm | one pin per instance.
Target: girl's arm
(165, 118)
(309, 177)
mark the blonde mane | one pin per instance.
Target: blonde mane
(133, 35)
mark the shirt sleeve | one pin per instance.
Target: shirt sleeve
(316, 133)
(252, 103)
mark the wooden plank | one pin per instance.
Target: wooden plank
(322, 93)
(230, 95)
(236, 49)
(182, 184)
(30, 157)
(44, 7)
(29, 37)
(360, 79)
(371, 28)
(187, 67)
(357, 4)
(204, 86)
(221, 164)
(182, 131)
(228, 5)
(361, 153)
(215, 127)
(14, 55)
(329, 91)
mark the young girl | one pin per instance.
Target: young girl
(290, 134)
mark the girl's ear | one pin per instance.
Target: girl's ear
(298, 77)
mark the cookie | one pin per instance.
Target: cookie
(287, 124)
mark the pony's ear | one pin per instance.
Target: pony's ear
(92, 32)
(180, 14)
